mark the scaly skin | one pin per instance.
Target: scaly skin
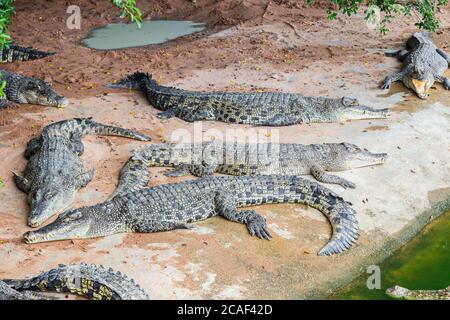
(260, 159)
(54, 171)
(8, 293)
(174, 206)
(398, 292)
(87, 280)
(423, 64)
(22, 89)
(15, 53)
(263, 109)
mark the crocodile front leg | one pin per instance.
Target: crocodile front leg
(445, 81)
(84, 178)
(320, 174)
(22, 183)
(5, 103)
(444, 54)
(395, 77)
(256, 224)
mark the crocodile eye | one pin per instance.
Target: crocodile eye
(48, 196)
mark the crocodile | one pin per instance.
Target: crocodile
(54, 171)
(234, 158)
(259, 108)
(398, 292)
(137, 208)
(86, 280)
(22, 89)
(14, 53)
(423, 64)
(8, 293)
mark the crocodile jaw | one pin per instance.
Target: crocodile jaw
(59, 230)
(421, 87)
(45, 208)
(365, 159)
(363, 112)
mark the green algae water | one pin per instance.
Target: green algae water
(423, 263)
(127, 35)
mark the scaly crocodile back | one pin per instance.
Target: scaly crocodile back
(90, 281)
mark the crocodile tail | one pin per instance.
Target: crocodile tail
(18, 53)
(345, 230)
(340, 214)
(89, 126)
(82, 126)
(133, 81)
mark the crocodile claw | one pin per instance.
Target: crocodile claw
(386, 84)
(257, 226)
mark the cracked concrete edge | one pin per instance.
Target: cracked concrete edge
(383, 250)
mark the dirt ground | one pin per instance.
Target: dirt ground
(249, 45)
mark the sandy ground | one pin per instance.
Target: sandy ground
(244, 50)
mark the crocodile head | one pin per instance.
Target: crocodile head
(397, 292)
(36, 91)
(351, 109)
(53, 196)
(420, 81)
(77, 223)
(344, 156)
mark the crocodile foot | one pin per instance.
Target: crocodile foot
(386, 83)
(257, 226)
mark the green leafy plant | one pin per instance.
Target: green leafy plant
(424, 11)
(128, 9)
(6, 13)
(2, 183)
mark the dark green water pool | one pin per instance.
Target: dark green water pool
(423, 263)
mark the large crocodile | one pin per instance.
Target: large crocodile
(23, 89)
(136, 208)
(398, 292)
(14, 53)
(204, 159)
(423, 64)
(87, 280)
(54, 171)
(261, 108)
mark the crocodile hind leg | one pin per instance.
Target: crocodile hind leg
(76, 144)
(198, 170)
(256, 224)
(320, 174)
(32, 147)
(169, 113)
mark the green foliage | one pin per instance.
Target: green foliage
(6, 13)
(2, 90)
(424, 10)
(2, 183)
(128, 9)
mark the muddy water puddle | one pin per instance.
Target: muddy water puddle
(127, 35)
